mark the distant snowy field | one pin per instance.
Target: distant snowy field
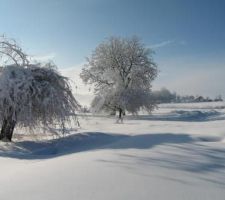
(176, 153)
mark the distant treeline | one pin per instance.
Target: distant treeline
(166, 96)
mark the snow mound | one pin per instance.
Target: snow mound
(209, 139)
(184, 115)
(197, 115)
(202, 105)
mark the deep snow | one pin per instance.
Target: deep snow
(176, 153)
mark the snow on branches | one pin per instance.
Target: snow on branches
(35, 95)
(11, 53)
(122, 71)
(31, 94)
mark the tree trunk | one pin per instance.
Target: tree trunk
(7, 129)
(120, 113)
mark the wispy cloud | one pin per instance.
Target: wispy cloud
(161, 44)
(167, 43)
(182, 42)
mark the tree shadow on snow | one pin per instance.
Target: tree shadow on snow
(207, 162)
(179, 152)
(86, 142)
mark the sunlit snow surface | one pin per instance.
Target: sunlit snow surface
(176, 153)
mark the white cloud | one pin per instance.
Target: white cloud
(44, 58)
(83, 93)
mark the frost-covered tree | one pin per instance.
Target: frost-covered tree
(121, 71)
(11, 53)
(31, 95)
(164, 96)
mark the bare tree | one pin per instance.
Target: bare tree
(122, 71)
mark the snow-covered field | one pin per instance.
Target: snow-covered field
(176, 153)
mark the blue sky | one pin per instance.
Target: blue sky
(188, 36)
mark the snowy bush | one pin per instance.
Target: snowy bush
(32, 96)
